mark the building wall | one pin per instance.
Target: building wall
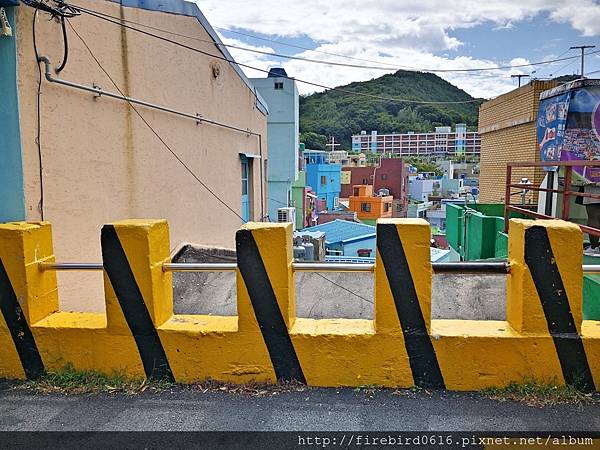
(421, 189)
(379, 207)
(392, 169)
(507, 125)
(298, 199)
(283, 138)
(279, 197)
(330, 216)
(352, 248)
(101, 163)
(444, 142)
(12, 201)
(328, 191)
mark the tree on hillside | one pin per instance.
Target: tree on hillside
(313, 141)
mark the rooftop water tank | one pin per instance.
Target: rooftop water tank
(309, 251)
(299, 253)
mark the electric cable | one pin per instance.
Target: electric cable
(287, 44)
(223, 58)
(559, 56)
(344, 288)
(38, 138)
(66, 46)
(158, 136)
(361, 66)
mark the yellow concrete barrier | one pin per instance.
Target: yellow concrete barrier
(543, 337)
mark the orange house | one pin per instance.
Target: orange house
(367, 206)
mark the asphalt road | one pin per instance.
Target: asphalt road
(190, 409)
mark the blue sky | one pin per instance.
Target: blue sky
(436, 34)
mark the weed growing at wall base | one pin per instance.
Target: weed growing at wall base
(68, 380)
(534, 393)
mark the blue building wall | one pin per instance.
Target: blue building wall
(12, 196)
(282, 138)
(351, 248)
(327, 188)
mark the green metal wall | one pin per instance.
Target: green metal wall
(477, 231)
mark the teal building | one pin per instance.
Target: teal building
(281, 94)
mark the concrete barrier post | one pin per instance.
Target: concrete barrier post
(403, 293)
(545, 258)
(27, 294)
(544, 289)
(266, 291)
(139, 294)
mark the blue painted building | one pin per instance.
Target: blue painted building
(347, 237)
(322, 177)
(281, 95)
(12, 196)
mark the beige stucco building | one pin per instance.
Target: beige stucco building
(98, 161)
(507, 125)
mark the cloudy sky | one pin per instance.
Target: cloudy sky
(424, 34)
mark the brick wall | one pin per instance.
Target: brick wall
(507, 125)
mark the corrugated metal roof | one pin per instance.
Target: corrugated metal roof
(183, 8)
(344, 230)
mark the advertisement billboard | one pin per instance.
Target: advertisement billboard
(568, 127)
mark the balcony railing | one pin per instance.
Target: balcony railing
(565, 191)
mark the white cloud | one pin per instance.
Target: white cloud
(406, 33)
(584, 16)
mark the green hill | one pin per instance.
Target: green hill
(341, 114)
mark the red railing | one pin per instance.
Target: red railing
(566, 191)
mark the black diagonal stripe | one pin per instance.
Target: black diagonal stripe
(421, 354)
(549, 285)
(19, 329)
(272, 326)
(154, 359)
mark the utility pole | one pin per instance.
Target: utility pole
(582, 47)
(519, 77)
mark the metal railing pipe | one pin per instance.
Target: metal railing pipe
(70, 266)
(472, 267)
(199, 267)
(100, 92)
(456, 267)
(333, 267)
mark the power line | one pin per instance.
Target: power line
(559, 56)
(287, 44)
(38, 138)
(177, 157)
(343, 287)
(337, 89)
(252, 50)
(318, 61)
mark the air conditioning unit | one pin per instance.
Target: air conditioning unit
(287, 215)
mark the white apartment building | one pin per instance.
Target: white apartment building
(442, 142)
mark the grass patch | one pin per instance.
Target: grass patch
(537, 394)
(68, 380)
(412, 392)
(253, 388)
